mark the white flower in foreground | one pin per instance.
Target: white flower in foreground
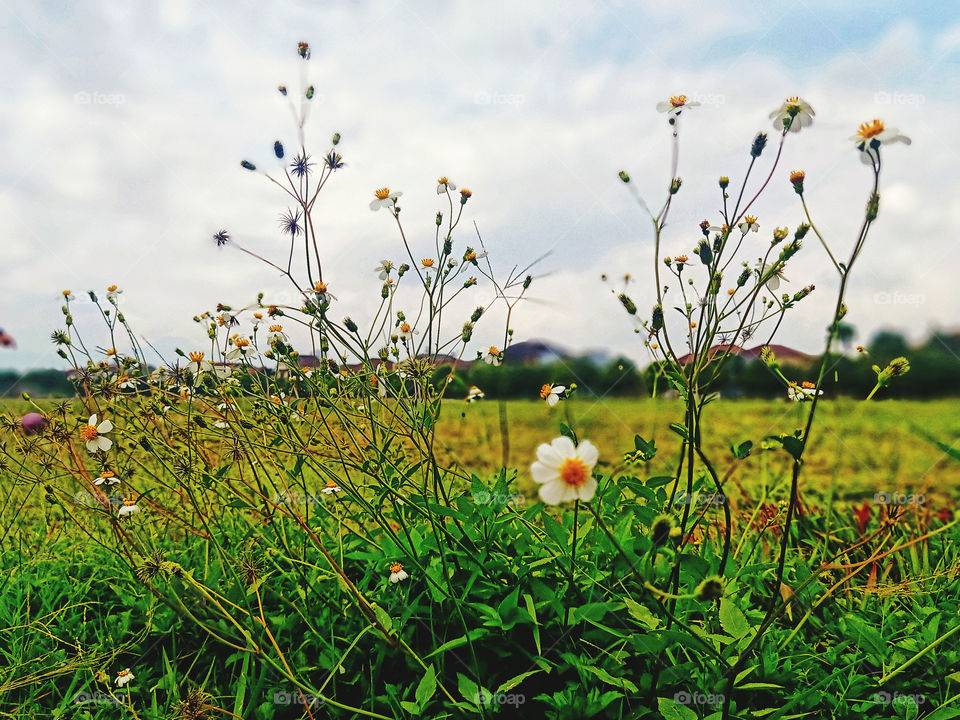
(804, 391)
(749, 224)
(444, 185)
(384, 198)
(108, 477)
(474, 394)
(129, 507)
(675, 105)
(872, 135)
(796, 108)
(331, 488)
(93, 435)
(565, 471)
(113, 293)
(383, 269)
(773, 284)
(397, 573)
(493, 357)
(241, 349)
(552, 393)
(123, 677)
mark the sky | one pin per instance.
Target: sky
(123, 126)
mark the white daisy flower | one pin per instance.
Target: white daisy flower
(125, 382)
(130, 507)
(552, 393)
(565, 471)
(796, 108)
(407, 332)
(675, 105)
(198, 365)
(872, 135)
(474, 394)
(773, 284)
(113, 293)
(277, 335)
(321, 294)
(93, 435)
(332, 488)
(493, 357)
(804, 391)
(428, 264)
(444, 184)
(384, 198)
(108, 477)
(383, 269)
(397, 573)
(241, 349)
(749, 224)
(123, 677)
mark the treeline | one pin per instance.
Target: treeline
(37, 383)
(934, 372)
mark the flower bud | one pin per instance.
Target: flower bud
(278, 150)
(759, 143)
(675, 185)
(627, 303)
(710, 589)
(657, 318)
(796, 179)
(724, 182)
(623, 176)
(476, 314)
(336, 138)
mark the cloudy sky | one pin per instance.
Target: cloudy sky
(123, 125)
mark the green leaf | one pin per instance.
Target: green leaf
(516, 680)
(567, 431)
(617, 682)
(680, 430)
(742, 450)
(646, 450)
(468, 688)
(641, 613)
(659, 480)
(410, 707)
(673, 711)
(732, 620)
(427, 686)
(457, 642)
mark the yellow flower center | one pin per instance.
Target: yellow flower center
(573, 472)
(106, 474)
(470, 257)
(66, 293)
(427, 262)
(332, 484)
(382, 193)
(127, 502)
(808, 385)
(112, 288)
(320, 287)
(196, 357)
(405, 328)
(678, 100)
(869, 130)
(680, 258)
(749, 219)
(276, 328)
(111, 352)
(258, 316)
(395, 567)
(374, 380)
(241, 342)
(545, 391)
(443, 181)
(89, 432)
(493, 350)
(466, 193)
(123, 673)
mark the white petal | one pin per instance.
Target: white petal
(664, 105)
(588, 490)
(552, 493)
(548, 455)
(564, 446)
(375, 204)
(559, 388)
(104, 443)
(92, 420)
(543, 474)
(92, 446)
(552, 399)
(105, 427)
(588, 453)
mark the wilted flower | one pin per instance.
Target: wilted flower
(565, 471)
(795, 113)
(301, 165)
(93, 435)
(383, 269)
(552, 393)
(290, 223)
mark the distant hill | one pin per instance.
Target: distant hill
(541, 352)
